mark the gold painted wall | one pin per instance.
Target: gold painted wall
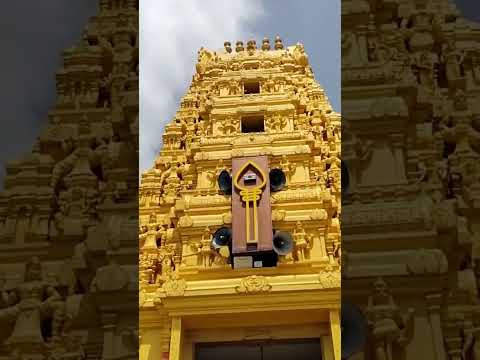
(68, 214)
(188, 291)
(410, 224)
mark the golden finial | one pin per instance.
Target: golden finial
(278, 43)
(265, 44)
(239, 46)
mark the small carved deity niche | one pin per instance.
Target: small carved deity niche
(22, 225)
(278, 123)
(229, 125)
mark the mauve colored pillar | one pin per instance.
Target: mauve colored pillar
(264, 213)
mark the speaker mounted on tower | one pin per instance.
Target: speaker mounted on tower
(282, 242)
(225, 182)
(222, 237)
(222, 242)
(277, 179)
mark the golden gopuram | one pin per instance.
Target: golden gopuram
(68, 212)
(411, 142)
(239, 216)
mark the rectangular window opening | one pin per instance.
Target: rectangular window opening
(252, 124)
(252, 87)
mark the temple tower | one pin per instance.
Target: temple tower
(239, 215)
(68, 214)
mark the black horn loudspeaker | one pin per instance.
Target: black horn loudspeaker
(222, 237)
(225, 182)
(277, 179)
(282, 243)
(354, 330)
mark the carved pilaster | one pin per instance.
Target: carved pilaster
(434, 306)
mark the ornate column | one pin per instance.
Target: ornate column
(453, 340)
(165, 338)
(336, 333)
(144, 347)
(434, 307)
(176, 339)
(109, 324)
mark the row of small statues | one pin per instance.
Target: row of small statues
(252, 45)
(295, 57)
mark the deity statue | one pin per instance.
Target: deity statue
(390, 331)
(204, 57)
(228, 47)
(453, 60)
(278, 123)
(234, 87)
(239, 46)
(334, 172)
(268, 85)
(229, 125)
(205, 250)
(278, 43)
(317, 121)
(251, 46)
(166, 260)
(337, 252)
(300, 56)
(301, 241)
(104, 98)
(471, 346)
(287, 167)
(36, 301)
(148, 266)
(265, 44)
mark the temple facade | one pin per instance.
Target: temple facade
(410, 223)
(239, 215)
(68, 212)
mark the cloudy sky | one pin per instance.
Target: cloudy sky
(172, 31)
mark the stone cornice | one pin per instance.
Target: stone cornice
(254, 293)
(302, 291)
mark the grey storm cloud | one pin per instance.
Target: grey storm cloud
(34, 34)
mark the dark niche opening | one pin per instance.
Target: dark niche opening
(251, 87)
(252, 124)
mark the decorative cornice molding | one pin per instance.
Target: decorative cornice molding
(254, 285)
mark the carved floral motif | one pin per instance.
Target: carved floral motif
(174, 285)
(329, 279)
(253, 285)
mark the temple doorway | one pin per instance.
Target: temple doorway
(305, 349)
